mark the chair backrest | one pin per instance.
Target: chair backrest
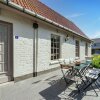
(93, 73)
(88, 63)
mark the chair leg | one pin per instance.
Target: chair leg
(97, 85)
(90, 84)
(94, 90)
(64, 77)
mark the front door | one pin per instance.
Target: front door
(5, 58)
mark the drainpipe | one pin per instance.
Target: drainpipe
(35, 49)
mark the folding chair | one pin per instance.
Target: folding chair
(92, 76)
(65, 69)
(79, 73)
(88, 65)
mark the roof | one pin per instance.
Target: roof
(96, 40)
(43, 10)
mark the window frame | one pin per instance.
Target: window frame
(55, 47)
(77, 48)
(86, 49)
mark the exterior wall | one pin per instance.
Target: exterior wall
(23, 46)
(67, 49)
(44, 47)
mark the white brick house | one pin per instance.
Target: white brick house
(26, 50)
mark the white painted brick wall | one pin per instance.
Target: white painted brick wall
(23, 46)
(68, 48)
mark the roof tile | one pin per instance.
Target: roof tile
(45, 11)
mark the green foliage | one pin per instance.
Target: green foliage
(96, 61)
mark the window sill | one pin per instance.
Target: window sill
(54, 62)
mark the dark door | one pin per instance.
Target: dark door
(5, 52)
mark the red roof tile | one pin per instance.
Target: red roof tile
(45, 11)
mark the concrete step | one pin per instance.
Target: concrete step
(4, 79)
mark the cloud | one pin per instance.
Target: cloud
(95, 35)
(76, 15)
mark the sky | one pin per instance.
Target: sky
(84, 13)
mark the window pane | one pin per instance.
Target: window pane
(51, 57)
(54, 57)
(57, 45)
(57, 50)
(57, 56)
(54, 50)
(51, 51)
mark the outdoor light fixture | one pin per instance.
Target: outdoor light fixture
(35, 25)
(67, 38)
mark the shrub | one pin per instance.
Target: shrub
(96, 61)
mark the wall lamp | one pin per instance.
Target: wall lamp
(67, 38)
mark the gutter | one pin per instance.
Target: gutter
(32, 13)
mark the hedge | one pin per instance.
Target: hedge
(96, 61)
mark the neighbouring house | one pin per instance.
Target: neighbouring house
(96, 46)
(33, 37)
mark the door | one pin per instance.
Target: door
(5, 58)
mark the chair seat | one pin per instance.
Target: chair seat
(92, 73)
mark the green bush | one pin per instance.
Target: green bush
(96, 61)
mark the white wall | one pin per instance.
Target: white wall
(23, 46)
(68, 48)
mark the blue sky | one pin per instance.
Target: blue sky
(84, 13)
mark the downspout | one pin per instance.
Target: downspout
(35, 49)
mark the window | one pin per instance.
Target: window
(86, 49)
(94, 44)
(77, 48)
(55, 47)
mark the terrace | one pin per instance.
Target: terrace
(48, 86)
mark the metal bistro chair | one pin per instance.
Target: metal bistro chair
(65, 69)
(79, 73)
(81, 70)
(86, 65)
(92, 76)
